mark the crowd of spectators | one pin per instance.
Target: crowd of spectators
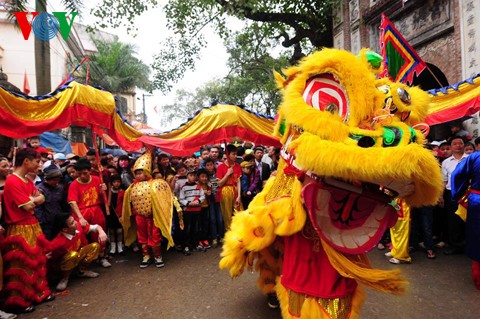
(440, 226)
(61, 213)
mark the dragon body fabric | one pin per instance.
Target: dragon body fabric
(351, 144)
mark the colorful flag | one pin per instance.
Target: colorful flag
(66, 80)
(70, 77)
(26, 86)
(400, 60)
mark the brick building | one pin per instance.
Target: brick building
(445, 33)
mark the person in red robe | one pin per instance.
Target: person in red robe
(229, 188)
(84, 197)
(24, 245)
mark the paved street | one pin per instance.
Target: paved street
(194, 287)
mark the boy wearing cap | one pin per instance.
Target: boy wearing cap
(60, 159)
(72, 158)
(249, 182)
(55, 200)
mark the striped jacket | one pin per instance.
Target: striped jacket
(189, 193)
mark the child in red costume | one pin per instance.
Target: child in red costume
(71, 250)
(84, 197)
(151, 202)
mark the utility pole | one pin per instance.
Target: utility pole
(42, 57)
(144, 117)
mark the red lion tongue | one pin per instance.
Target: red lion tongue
(349, 222)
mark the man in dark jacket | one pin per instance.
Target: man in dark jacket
(55, 200)
(262, 167)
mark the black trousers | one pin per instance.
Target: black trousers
(456, 226)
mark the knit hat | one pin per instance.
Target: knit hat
(72, 156)
(60, 157)
(191, 171)
(246, 164)
(258, 148)
(52, 172)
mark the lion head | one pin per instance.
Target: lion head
(356, 143)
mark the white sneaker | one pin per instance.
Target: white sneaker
(388, 254)
(120, 247)
(62, 285)
(104, 263)
(88, 274)
(113, 248)
(440, 244)
(6, 315)
(159, 262)
(146, 261)
(396, 261)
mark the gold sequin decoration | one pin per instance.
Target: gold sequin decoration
(141, 198)
(336, 308)
(283, 184)
(144, 162)
(160, 185)
(29, 232)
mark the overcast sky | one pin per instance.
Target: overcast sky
(152, 31)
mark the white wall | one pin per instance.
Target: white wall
(18, 56)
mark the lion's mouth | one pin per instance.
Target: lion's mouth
(350, 216)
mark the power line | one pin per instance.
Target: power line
(75, 44)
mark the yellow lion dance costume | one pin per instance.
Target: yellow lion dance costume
(351, 144)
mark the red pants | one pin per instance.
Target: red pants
(476, 273)
(94, 216)
(147, 233)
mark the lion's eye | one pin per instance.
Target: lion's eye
(325, 93)
(404, 96)
(332, 108)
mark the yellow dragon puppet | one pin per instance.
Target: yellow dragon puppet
(351, 144)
